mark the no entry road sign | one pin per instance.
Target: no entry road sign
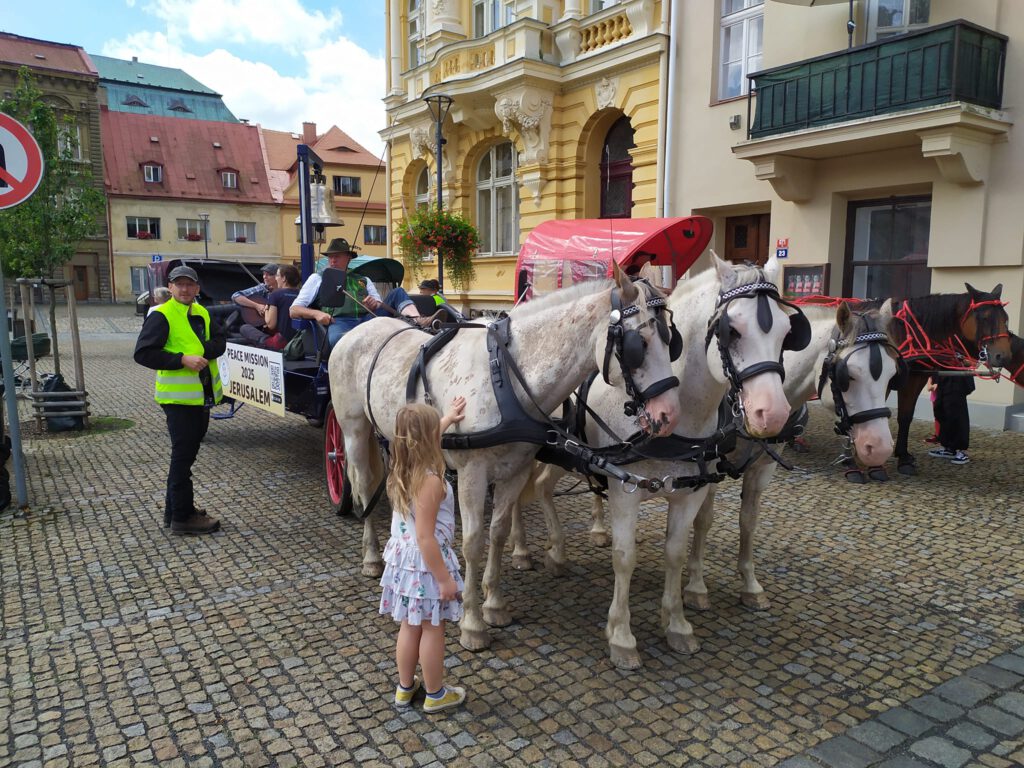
(21, 162)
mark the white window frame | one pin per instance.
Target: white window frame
(339, 184)
(424, 199)
(892, 31)
(229, 179)
(235, 229)
(374, 230)
(490, 15)
(188, 227)
(138, 278)
(493, 185)
(69, 136)
(415, 23)
(743, 19)
(142, 224)
(152, 173)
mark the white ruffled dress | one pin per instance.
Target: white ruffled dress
(410, 591)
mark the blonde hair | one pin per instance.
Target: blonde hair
(415, 453)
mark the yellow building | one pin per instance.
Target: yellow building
(557, 112)
(184, 188)
(888, 170)
(356, 188)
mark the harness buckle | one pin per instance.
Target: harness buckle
(552, 437)
(626, 486)
(572, 448)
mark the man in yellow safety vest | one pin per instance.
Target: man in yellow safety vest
(181, 344)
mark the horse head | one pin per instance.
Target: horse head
(752, 329)
(864, 366)
(641, 335)
(984, 322)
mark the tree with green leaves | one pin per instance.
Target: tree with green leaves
(43, 232)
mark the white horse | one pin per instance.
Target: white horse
(749, 328)
(871, 439)
(556, 341)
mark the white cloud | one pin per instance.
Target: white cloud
(343, 84)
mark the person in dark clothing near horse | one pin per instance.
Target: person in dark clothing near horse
(181, 343)
(954, 418)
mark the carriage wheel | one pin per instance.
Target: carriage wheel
(339, 492)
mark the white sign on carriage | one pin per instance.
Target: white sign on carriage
(253, 375)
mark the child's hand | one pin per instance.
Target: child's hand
(448, 589)
(457, 410)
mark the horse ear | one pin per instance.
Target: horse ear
(649, 272)
(724, 270)
(972, 290)
(629, 290)
(997, 291)
(771, 269)
(843, 317)
(885, 313)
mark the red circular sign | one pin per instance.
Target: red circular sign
(17, 142)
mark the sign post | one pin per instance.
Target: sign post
(21, 170)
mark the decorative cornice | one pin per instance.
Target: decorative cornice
(527, 110)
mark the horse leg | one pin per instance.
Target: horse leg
(695, 595)
(472, 496)
(554, 553)
(495, 609)
(904, 460)
(621, 642)
(598, 531)
(364, 474)
(682, 508)
(520, 551)
(755, 480)
(373, 563)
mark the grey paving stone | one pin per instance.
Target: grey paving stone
(908, 722)
(1011, 661)
(997, 720)
(970, 735)
(844, 752)
(941, 751)
(998, 677)
(935, 708)
(964, 691)
(798, 762)
(1012, 703)
(877, 736)
(903, 761)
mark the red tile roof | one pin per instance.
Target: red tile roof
(335, 147)
(186, 150)
(42, 54)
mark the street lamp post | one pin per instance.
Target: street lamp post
(439, 104)
(206, 234)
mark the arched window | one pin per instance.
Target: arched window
(423, 197)
(617, 171)
(497, 201)
(415, 33)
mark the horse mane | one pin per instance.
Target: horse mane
(559, 297)
(865, 320)
(938, 313)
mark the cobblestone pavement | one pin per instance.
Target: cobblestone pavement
(894, 635)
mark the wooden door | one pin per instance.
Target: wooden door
(746, 238)
(80, 279)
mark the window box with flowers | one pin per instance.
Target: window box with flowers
(448, 234)
(241, 239)
(144, 236)
(195, 237)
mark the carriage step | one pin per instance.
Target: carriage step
(1015, 422)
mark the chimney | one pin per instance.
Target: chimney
(135, 59)
(309, 133)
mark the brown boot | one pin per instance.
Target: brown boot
(194, 526)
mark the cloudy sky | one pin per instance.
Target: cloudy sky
(276, 62)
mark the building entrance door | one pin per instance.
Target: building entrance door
(80, 281)
(746, 238)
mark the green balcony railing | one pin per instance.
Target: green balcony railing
(956, 61)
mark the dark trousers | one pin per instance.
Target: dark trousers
(187, 425)
(954, 422)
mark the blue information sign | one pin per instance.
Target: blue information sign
(781, 253)
(156, 257)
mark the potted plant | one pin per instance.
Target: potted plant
(448, 234)
(240, 239)
(195, 237)
(144, 236)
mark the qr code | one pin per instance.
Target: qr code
(275, 377)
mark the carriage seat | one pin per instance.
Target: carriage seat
(426, 306)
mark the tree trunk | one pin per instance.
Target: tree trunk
(53, 331)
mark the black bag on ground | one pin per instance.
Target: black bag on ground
(56, 423)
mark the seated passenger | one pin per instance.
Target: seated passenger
(279, 328)
(255, 298)
(433, 288)
(342, 319)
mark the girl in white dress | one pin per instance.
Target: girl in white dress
(422, 586)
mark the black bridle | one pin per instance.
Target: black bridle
(835, 370)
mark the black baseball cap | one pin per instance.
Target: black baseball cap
(179, 272)
(269, 269)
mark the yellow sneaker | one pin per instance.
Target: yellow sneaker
(403, 697)
(453, 696)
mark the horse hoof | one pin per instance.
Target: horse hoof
(686, 644)
(600, 539)
(475, 639)
(552, 566)
(755, 601)
(624, 658)
(373, 570)
(855, 476)
(698, 601)
(497, 617)
(908, 469)
(878, 474)
(522, 562)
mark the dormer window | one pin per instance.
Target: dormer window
(153, 173)
(178, 105)
(229, 179)
(131, 100)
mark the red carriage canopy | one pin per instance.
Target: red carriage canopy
(562, 252)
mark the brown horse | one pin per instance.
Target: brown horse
(944, 331)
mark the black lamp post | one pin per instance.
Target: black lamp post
(206, 234)
(439, 104)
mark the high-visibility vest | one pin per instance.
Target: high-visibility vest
(183, 386)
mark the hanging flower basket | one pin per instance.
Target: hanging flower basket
(446, 233)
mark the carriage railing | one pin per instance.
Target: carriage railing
(956, 61)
